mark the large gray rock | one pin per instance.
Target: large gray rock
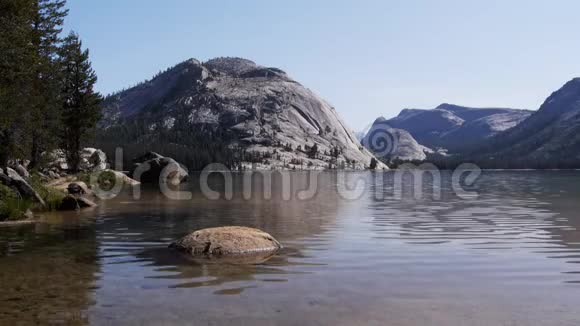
(227, 241)
(260, 109)
(13, 180)
(150, 166)
(93, 159)
(21, 170)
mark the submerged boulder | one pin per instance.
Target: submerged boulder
(227, 241)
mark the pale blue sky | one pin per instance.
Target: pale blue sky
(367, 58)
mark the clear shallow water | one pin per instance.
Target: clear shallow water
(511, 256)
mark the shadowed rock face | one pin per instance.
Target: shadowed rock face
(456, 128)
(261, 110)
(549, 136)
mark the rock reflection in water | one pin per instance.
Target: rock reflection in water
(47, 275)
(193, 273)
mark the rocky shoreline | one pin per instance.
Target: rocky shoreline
(54, 187)
(24, 193)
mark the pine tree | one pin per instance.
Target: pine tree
(16, 60)
(373, 164)
(43, 119)
(80, 103)
(313, 151)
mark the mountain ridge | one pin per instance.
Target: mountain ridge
(454, 127)
(257, 109)
(549, 137)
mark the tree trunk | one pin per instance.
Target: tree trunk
(35, 152)
(75, 162)
(5, 142)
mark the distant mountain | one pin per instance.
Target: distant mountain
(360, 134)
(548, 138)
(392, 144)
(456, 128)
(231, 110)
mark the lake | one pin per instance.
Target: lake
(506, 254)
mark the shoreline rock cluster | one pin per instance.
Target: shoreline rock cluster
(55, 188)
(56, 165)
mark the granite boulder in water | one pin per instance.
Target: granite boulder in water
(227, 241)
